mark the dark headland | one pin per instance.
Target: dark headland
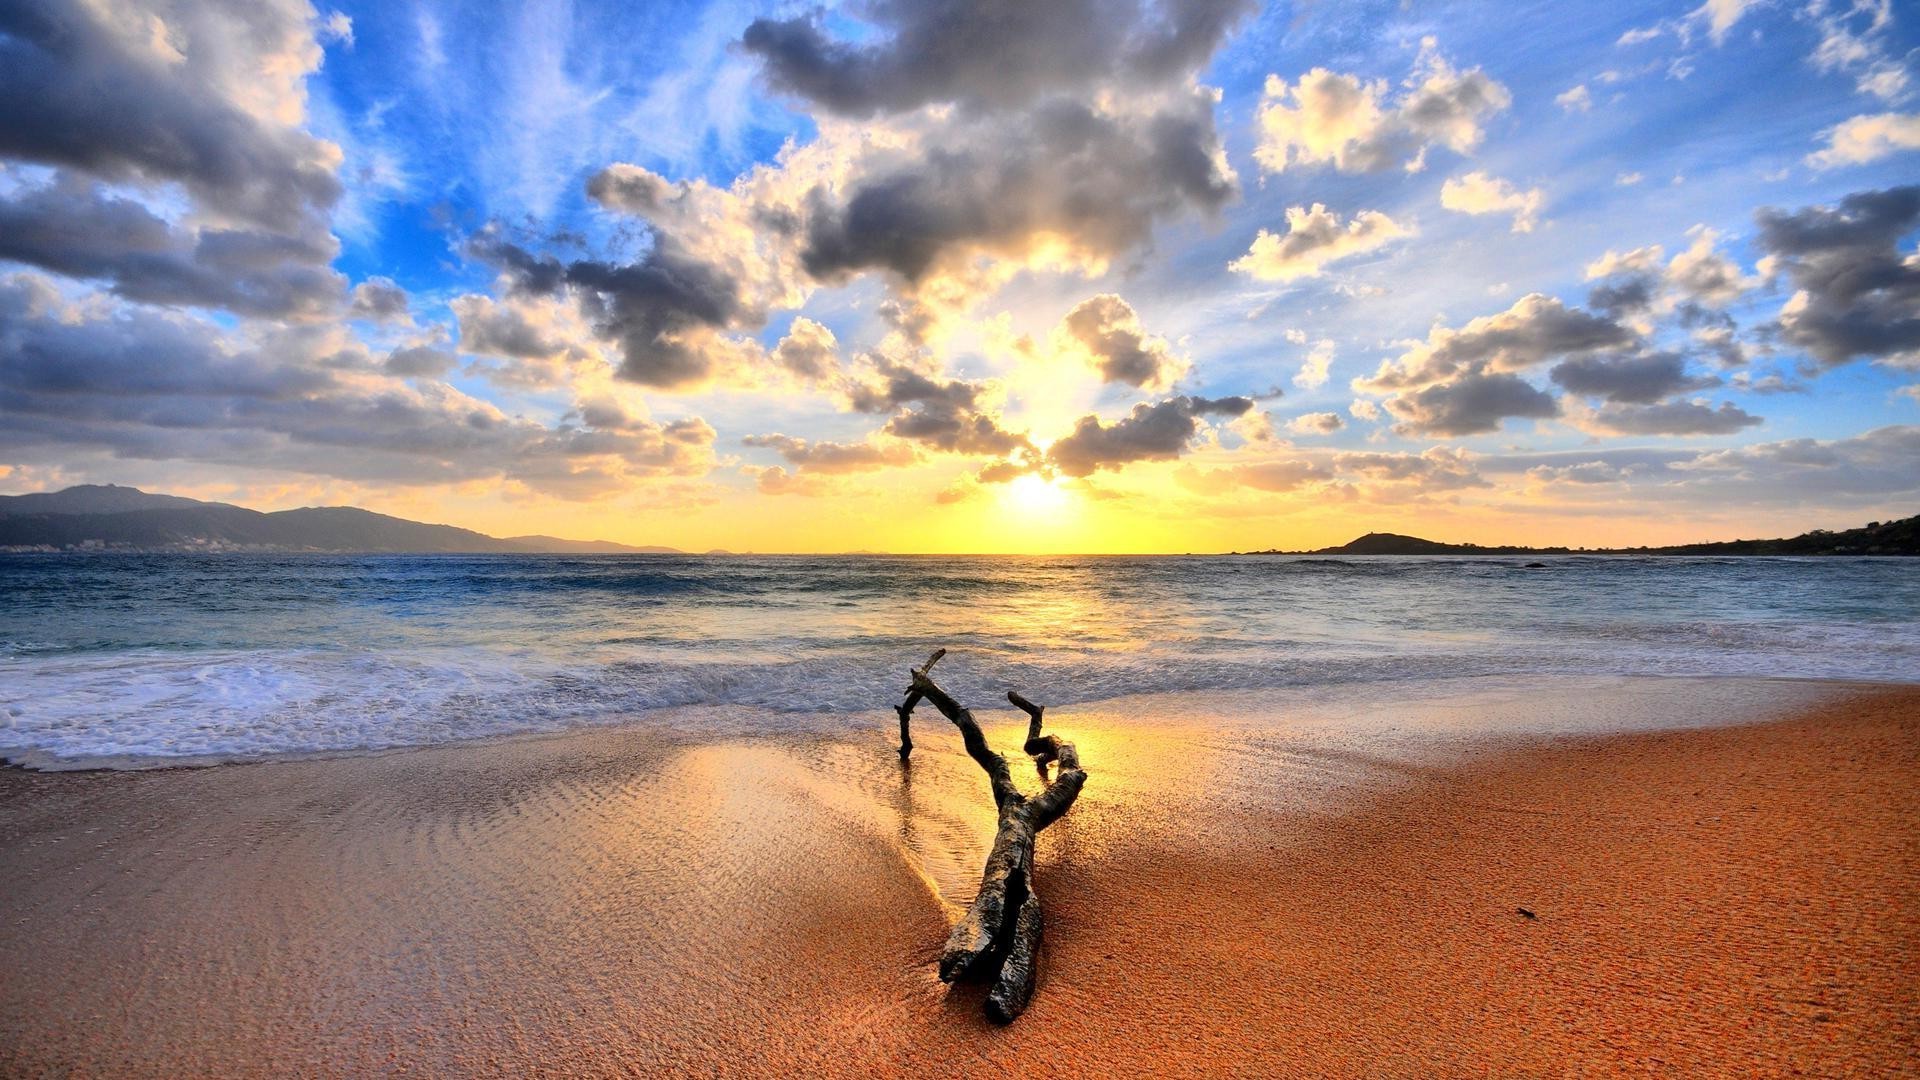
(1900, 537)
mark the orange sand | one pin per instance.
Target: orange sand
(1734, 901)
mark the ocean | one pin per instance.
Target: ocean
(164, 658)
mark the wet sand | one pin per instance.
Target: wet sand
(1236, 893)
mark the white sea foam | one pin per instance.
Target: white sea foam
(197, 660)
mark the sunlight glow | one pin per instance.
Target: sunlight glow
(1035, 494)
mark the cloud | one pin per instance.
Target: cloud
(947, 415)
(1070, 182)
(1156, 431)
(202, 93)
(1315, 368)
(832, 457)
(1535, 329)
(1577, 99)
(1107, 330)
(1855, 293)
(75, 228)
(1460, 382)
(1333, 119)
(1664, 418)
(1853, 38)
(337, 27)
(808, 350)
(1702, 274)
(1720, 15)
(1289, 474)
(1396, 474)
(540, 341)
(992, 55)
(775, 480)
(421, 361)
(664, 312)
(1766, 384)
(1479, 193)
(1867, 138)
(1696, 282)
(379, 299)
(1639, 379)
(1313, 239)
(151, 386)
(948, 184)
(1716, 17)
(1316, 423)
(1470, 404)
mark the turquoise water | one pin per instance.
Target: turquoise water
(249, 655)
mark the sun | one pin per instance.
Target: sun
(1036, 494)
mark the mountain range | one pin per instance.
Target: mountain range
(106, 516)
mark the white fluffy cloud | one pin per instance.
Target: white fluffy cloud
(1314, 369)
(1327, 118)
(1867, 138)
(1314, 238)
(1480, 193)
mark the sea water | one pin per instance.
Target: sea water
(209, 657)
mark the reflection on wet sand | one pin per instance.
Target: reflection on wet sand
(1244, 881)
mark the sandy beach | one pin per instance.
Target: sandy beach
(1233, 895)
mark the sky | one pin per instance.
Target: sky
(991, 276)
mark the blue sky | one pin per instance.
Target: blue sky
(1022, 268)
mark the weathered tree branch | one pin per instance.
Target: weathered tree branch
(1000, 934)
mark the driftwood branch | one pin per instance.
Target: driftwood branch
(999, 936)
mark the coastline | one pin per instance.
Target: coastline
(1227, 897)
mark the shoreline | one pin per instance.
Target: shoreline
(685, 723)
(1225, 898)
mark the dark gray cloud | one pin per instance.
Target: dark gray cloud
(1533, 331)
(1665, 418)
(1461, 382)
(941, 414)
(1640, 380)
(1857, 294)
(1624, 295)
(1537, 328)
(505, 329)
(75, 229)
(140, 384)
(1471, 404)
(988, 53)
(1063, 170)
(1107, 327)
(380, 299)
(80, 92)
(422, 361)
(1153, 431)
(660, 310)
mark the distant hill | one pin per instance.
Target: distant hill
(1900, 537)
(110, 517)
(1396, 544)
(586, 547)
(93, 499)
